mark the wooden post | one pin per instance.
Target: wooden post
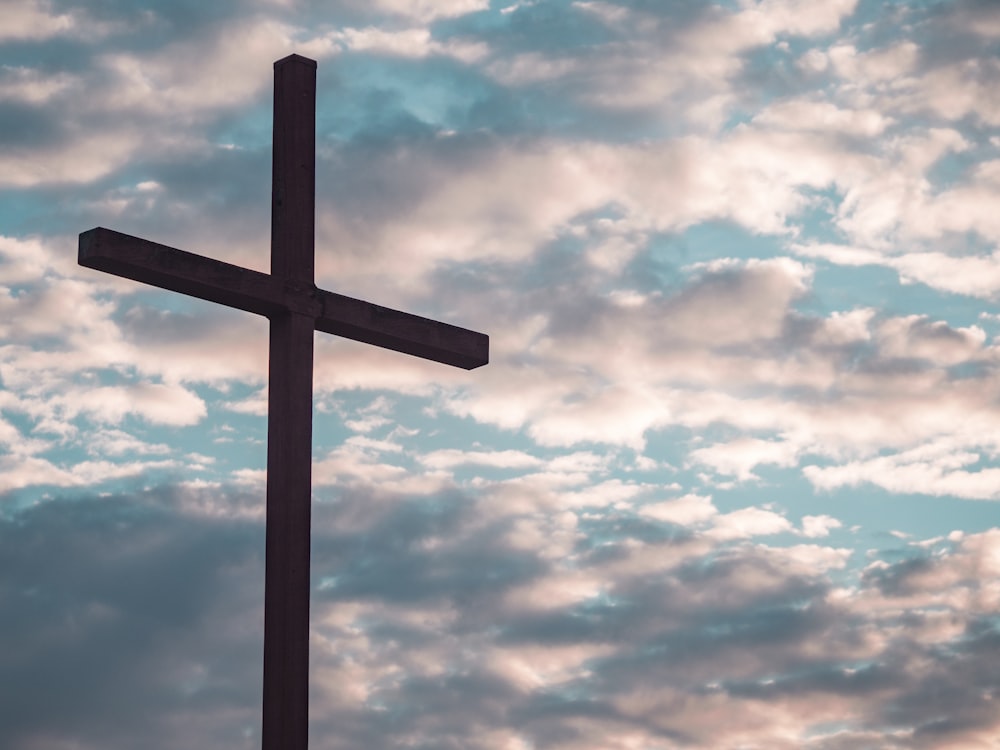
(289, 414)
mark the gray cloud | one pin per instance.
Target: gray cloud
(127, 615)
(140, 617)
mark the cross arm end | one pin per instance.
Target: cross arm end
(402, 332)
(179, 271)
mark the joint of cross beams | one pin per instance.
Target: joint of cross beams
(301, 298)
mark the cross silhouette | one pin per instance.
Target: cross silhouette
(288, 297)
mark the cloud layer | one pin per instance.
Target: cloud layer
(445, 620)
(738, 263)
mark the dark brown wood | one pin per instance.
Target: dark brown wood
(402, 332)
(286, 573)
(285, 709)
(293, 169)
(180, 271)
(213, 280)
(296, 308)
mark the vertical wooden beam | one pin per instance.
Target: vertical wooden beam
(289, 415)
(286, 577)
(293, 169)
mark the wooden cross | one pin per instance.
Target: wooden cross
(288, 297)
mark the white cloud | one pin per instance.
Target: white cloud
(506, 459)
(114, 442)
(35, 20)
(652, 62)
(554, 592)
(843, 387)
(822, 116)
(255, 404)
(846, 327)
(975, 276)
(367, 424)
(617, 415)
(918, 336)
(188, 77)
(957, 90)
(844, 255)
(687, 510)
(795, 17)
(155, 402)
(412, 43)
(874, 66)
(740, 457)
(971, 275)
(19, 471)
(19, 83)
(748, 522)
(429, 10)
(813, 61)
(24, 260)
(361, 463)
(155, 100)
(980, 18)
(86, 158)
(819, 526)
(809, 559)
(936, 468)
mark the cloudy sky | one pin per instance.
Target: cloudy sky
(729, 481)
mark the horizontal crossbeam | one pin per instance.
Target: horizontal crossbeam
(213, 280)
(179, 271)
